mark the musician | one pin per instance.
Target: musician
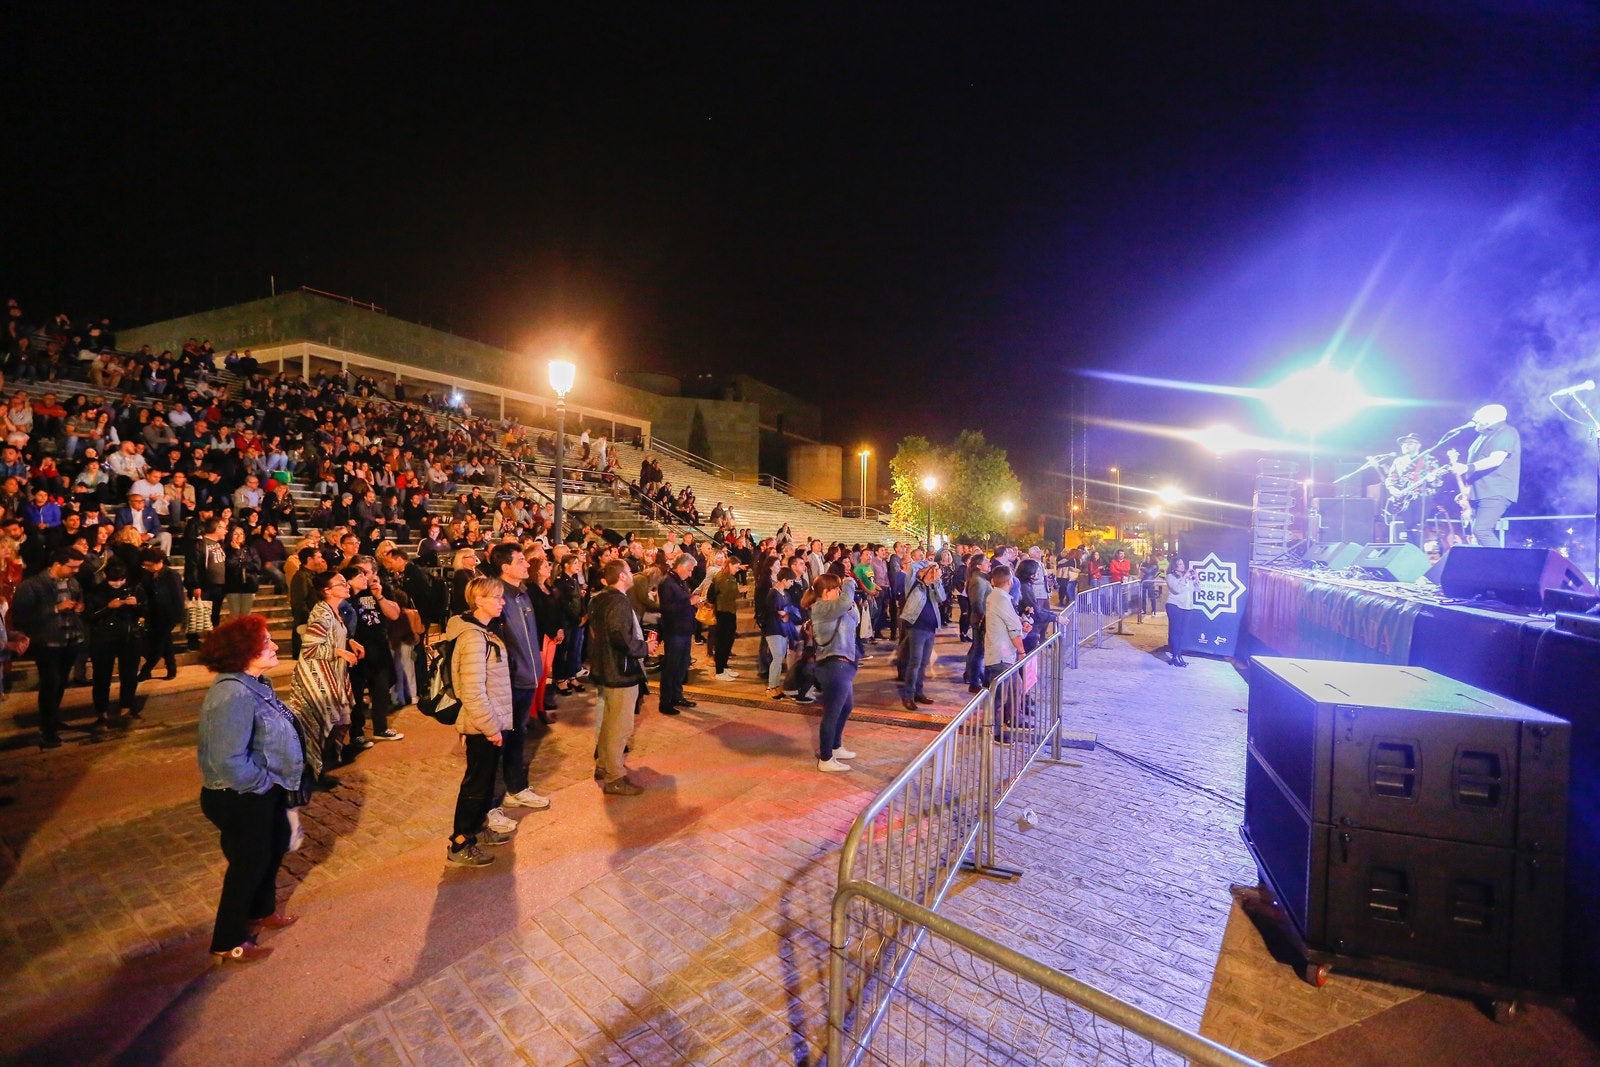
(1492, 472)
(1410, 478)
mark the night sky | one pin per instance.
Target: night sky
(924, 217)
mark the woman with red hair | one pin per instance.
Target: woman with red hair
(253, 768)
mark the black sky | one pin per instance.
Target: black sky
(924, 217)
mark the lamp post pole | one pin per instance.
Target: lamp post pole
(864, 453)
(1116, 472)
(561, 449)
(562, 374)
(928, 483)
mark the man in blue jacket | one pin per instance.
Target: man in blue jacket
(142, 516)
(519, 629)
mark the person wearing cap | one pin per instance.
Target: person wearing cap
(1492, 472)
(1408, 475)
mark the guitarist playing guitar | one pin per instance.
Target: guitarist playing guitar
(1492, 474)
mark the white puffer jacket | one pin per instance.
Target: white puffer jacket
(481, 675)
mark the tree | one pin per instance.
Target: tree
(972, 479)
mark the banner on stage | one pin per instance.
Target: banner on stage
(1220, 563)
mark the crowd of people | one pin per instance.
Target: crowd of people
(195, 455)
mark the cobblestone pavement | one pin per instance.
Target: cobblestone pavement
(687, 926)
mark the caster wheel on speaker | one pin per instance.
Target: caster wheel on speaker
(1504, 1012)
(1316, 973)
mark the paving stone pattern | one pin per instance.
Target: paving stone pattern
(710, 952)
(709, 945)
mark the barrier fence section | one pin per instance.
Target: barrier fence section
(1096, 608)
(907, 985)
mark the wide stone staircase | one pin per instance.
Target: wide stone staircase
(760, 507)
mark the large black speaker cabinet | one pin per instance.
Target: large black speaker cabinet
(1402, 815)
(1335, 555)
(1516, 576)
(1403, 562)
(1346, 518)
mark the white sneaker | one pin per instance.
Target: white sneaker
(389, 735)
(843, 753)
(725, 676)
(731, 674)
(832, 766)
(498, 822)
(526, 799)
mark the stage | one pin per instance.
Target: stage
(1317, 615)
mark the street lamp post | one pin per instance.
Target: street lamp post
(929, 483)
(1006, 508)
(864, 453)
(1116, 472)
(562, 373)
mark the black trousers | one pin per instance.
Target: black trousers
(722, 639)
(1177, 629)
(371, 682)
(161, 648)
(55, 664)
(476, 796)
(675, 668)
(213, 594)
(254, 831)
(125, 657)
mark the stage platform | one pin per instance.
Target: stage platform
(1318, 615)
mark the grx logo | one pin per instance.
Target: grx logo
(1216, 586)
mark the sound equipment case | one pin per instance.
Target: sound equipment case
(1411, 828)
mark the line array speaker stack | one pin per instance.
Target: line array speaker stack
(1272, 509)
(1409, 821)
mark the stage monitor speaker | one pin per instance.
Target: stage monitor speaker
(1335, 555)
(1405, 817)
(1346, 518)
(1403, 562)
(1517, 576)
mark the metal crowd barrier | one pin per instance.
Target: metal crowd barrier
(1095, 609)
(906, 985)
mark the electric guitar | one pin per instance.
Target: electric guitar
(1462, 500)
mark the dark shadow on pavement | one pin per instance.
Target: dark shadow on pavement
(120, 970)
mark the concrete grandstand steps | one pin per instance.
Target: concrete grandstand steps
(759, 507)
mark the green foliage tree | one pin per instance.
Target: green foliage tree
(973, 478)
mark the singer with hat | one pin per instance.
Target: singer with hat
(1492, 471)
(1409, 479)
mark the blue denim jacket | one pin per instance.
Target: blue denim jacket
(248, 739)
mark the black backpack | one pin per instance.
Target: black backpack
(436, 691)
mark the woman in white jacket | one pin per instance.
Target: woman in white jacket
(1180, 607)
(481, 678)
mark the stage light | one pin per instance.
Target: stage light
(1155, 512)
(1316, 399)
(1171, 495)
